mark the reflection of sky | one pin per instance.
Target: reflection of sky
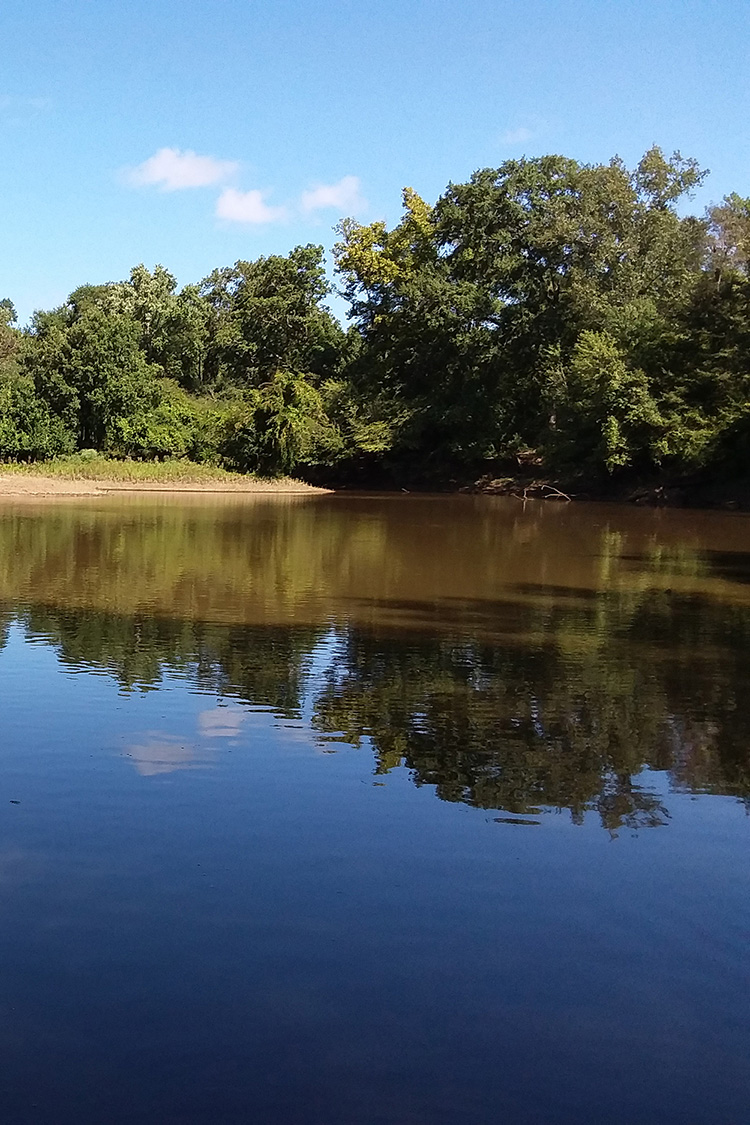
(158, 752)
(288, 900)
(162, 753)
(222, 721)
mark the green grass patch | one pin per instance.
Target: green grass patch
(93, 466)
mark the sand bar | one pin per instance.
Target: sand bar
(30, 485)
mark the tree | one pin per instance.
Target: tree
(92, 374)
(460, 306)
(9, 336)
(425, 339)
(729, 227)
(268, 316)
(278, 426)
(29, 430)
(604, 416)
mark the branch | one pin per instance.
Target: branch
(553, 493)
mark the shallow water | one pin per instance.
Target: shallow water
(341, 810)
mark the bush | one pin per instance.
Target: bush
(177, 426)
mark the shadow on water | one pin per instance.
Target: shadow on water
(733, 565)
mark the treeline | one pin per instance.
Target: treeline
(546, 312)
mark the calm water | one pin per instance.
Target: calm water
(344, 811)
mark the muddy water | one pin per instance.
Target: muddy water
(339, 809)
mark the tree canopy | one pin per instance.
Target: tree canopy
(570, 313)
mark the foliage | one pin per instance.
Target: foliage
(93, 374)
(729, 226)
(29, 430)
(570, 310)
(266, 316)
(460, 306)
(604, 415)
(278, 426)
(177, 425)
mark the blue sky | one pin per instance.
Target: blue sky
(197, 132)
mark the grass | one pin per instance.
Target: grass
(99, 467)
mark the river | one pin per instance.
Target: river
(361, 810)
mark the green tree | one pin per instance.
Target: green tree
(729, 227)
(92, 374)
(29, 430)
(279, 426)
(460, 306)
(604, 416)
(268, 316)
(9, 335)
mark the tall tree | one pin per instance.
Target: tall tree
(9, 335)
(93, 373)
(268, 316)
(460, 307)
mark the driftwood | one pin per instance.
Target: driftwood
(551, 493)
(555, 493)
(523, 492)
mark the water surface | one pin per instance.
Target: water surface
(342, 809)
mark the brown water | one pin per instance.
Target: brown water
(373, 809)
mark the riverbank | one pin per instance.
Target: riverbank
(80, 476)
(100, 477)
(684, 492)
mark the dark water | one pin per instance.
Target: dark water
(407, 811)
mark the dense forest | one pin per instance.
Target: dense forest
(546, 313)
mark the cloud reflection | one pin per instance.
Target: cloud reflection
(221, 722)
(164, 753)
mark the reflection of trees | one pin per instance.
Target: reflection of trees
(252, 561)
(511, 657)
(263, 665)
(565, 713)
(6, 620)
(287, 560)
(516, 726)
(502, 726)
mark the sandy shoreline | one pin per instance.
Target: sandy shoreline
(21, 485)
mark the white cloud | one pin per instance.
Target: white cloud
(530, 128)
(343, 196)
(247, 207)
(517, 136)
(173, 170)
